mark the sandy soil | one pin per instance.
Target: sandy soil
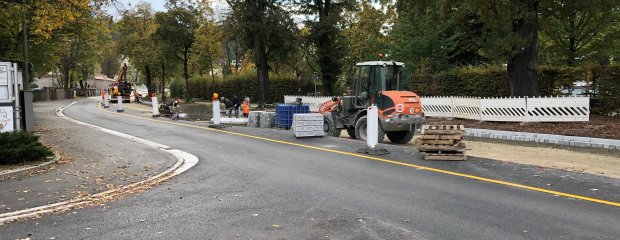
(593, 161)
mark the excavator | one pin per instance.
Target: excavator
(387, 85)
(121, 87)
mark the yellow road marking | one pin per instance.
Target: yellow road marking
(490, 180)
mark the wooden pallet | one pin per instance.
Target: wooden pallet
(444, 157)
(442, 142)
(443, 129)
(441, 148)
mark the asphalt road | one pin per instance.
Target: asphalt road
(247, 188)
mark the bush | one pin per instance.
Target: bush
(21, 146)
(608, 81)
(246, 84)
(176, 88)
(489, 81)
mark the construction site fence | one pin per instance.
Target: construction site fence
(501, 109)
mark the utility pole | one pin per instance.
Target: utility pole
(25, 71)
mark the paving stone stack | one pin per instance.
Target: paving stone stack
(308, 125)
(254, 119)
(442, 142)
(267, 119)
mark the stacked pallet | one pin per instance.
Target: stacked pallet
(308, 125)
(254, 119)
(442, 142)
(267, 119)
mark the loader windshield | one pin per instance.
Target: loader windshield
(397, 78)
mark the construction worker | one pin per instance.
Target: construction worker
(136, 95)
(236, 105)
(246, 108)
(229, 106)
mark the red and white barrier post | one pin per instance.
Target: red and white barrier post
(155, 104)
(372, 127)
(120, 104)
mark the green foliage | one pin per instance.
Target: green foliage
(246, 84)
(176, 88)
(490, 81)
(21, 146)
(175, 34)
(470, 81)
(608, 89)
(553, 79)
(577, 32)
(326, 33)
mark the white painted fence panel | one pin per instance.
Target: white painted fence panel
(503, 109)
(437, 106)
(558, 109)
(313, 102)
(466, 107)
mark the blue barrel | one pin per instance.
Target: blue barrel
(284, 114)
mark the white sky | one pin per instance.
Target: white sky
(219, 6)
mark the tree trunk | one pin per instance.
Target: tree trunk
(212, 80)
(258, 40)
(522, 67)
(149, 81)
(163, 83)
(327, 50)
(261, 69)
(186, 73)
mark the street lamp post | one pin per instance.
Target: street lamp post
(26, 73)
(315, 77)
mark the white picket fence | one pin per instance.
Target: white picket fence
(512, 109)
(313, 102)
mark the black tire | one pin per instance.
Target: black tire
(351, 132)
(400, 137)
(360, 130)
(329, 126)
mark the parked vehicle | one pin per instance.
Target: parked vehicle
(387, 85)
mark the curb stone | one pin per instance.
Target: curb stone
(20, 171)
(610, 144)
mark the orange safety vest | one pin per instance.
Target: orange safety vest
(246, 108)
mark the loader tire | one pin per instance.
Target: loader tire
(329, 126)
(400, 137)
(360, 130)
(351, 132)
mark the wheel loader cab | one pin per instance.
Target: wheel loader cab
(388, 85)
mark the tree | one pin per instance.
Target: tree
(135, 41)
(207, 43)
(330, 43)
(366, 30)
(82, 39)
(500, 32)
(266, 28)
(175, 30)
(44, 19)
(578, 31)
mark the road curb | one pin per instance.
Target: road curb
(20, 171)
(610, 144)
(184, 162)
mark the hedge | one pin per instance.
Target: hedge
(490, 81)
(608, 81)
(21, 146)
(246, 84)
